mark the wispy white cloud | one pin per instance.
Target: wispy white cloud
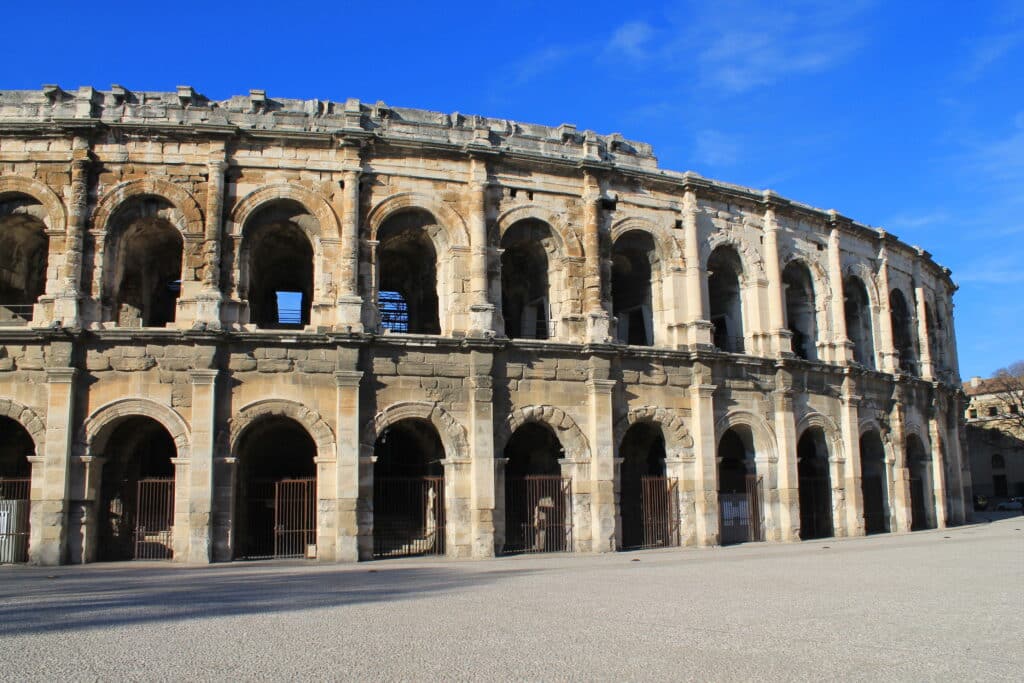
(543, 61)
(632, 40)
(915, 221)
(986, 51)
(715, 148)
(741, 45)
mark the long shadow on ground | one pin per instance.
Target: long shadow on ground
(36, 601)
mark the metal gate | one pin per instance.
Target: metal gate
(538, 513)
(659, 499)
(408, 516)
(154, 520)
(14, 516)
(741, 513)
(295, 518)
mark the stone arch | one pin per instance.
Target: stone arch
(56, 216)
(568, 241)
(452, 433)
(750, 258)
(315, 203)
(678, 440)
(819, 278)
(450, 222)
(310, 420)
(764, 435)
(188, 217)
(668, 249)
(837, 451)
(27, 418)
(866, 275)
(565, 428)
(95, 427)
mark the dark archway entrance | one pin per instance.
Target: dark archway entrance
(407, 270)
(24, 246)
(538, 499)
(874, 484)
(815, 485)
(279, 260)
(922, 508)
(648, 499)
(632, 255)
(725, 299)
(15, 484)
(739, 489)
(408, 491)
(276, 508)
(136, 513)
(525, 297)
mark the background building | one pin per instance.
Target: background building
(995, 435)
(260, 327)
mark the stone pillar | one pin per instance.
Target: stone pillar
(481, 451)
(225, 498)
(499, 504)
(208, 299)
(778, 332)
(578, 472)
(942, 512)
(598, 323)
(458, 503)
(927, 368)
(680, 466)
(705, 475)
(364, 541)
(886, 343)
(697, 322)
(852, 474)
(842, 347)
(67, 305)
(899, 496)
(350, 304)
(602, 455)
(195, 474)
(49, 513)
(347, 466)
(83, 516)
(789, 479)
(481, 309)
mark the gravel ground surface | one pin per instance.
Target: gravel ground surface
(934, 605)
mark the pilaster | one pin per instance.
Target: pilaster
(195, 470)
(482, 311)
(842, 347)
(696, 318)
(785, 434)
(927, 367)
(602, 457)
(483, 468)
(899, 498)
(852, 473)
(705, 481)
(350, 304)
(346, 479)
(49, 514)
(780, 336)
(886, 344)
(598, 322)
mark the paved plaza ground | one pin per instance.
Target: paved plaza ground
(935, 605)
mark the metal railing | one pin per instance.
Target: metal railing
(659, 498)
(408, 516)
(295, 518)
(154, 520)
(538, 514)
(14, 520)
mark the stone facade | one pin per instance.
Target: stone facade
(994, 437)
(550, 282)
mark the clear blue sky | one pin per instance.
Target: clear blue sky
(906, 115)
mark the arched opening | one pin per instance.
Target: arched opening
(902, 332)
(144, 257)
(407, 267)
(935, 340)
(525, 287)
(408, 491)
(632, 256)
(922, 507)
(725, 271)
(276, 505)
(136, 512)
(739, 489)
(16, 445)
(538, 500)
(23, 251)
(874, 483)
(279, 261)
(815, 485)
(800, 310)
(858, 321)
(648, 499)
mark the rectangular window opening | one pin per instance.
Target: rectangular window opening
(394, 311)
(289, 307)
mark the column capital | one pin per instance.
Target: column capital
(347, 378)
(199, 377)
(61, 375)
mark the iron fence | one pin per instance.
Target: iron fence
(659, 500)
(408, 516)
(538, 513)
(740, 513)
(14, 519)
(154, 520)
(295, 518)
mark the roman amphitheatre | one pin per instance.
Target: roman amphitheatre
(264, 327)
